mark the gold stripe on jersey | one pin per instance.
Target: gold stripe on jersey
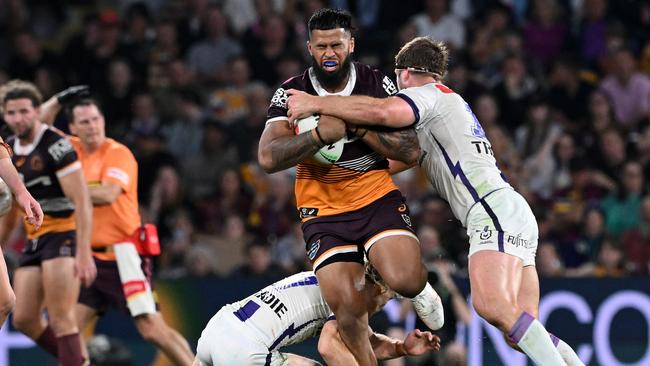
(50, 225)
(335, 190)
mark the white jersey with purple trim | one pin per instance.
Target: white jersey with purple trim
(286, 312)
(457, 157)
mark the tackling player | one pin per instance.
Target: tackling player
(351, 208)
(251, 332)
(459, 162)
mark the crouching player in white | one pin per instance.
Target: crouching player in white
(251, 332)
(458, 160)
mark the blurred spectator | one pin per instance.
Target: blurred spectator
(199, 262)
(119, 98)
(636, 242)
(145, 116)
(167, 198)
(204, 169)
(568, 94)
(599, 118)
(460, 80)
(185, 134)
(622, 208)
(612, 154)
(289, 250)
(138, 37)
(545, 32)
(231, 198)
(513, 91)
(174, 249)
(258, 264)
(29, 56)
(229, 246)
(278, 211)
(611, 262)
(208, 57)
(628, 89)
(229, 103)
(265, 52)
(548, 261)
(149, 150)
(437, 23)
(592, 35)
(163, 51)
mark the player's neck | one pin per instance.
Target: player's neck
(32, 134)
(338, 88)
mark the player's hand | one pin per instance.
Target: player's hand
(331, 129)
(300, 104)
(85, 267)
(418, 342)
(33, 211)
(73, 92)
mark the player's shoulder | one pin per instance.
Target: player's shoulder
(52, 135)
(298, 82)
(373, 78)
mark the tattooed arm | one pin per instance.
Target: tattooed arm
(401, 145)
(280, 148)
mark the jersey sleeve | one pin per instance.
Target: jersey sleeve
(63, 156)
(421, 100)
(384, 85)
(278, 108)
(119, 168)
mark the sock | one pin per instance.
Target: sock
(568, 354)
(47, 341)
(69, 347)
(428, 306)
(534, 340)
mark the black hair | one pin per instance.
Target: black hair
(83, 102)
(327, 18)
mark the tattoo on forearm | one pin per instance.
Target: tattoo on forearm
(399, 145)
(289, 151)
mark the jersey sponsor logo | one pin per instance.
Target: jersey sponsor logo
(406, 219)
(36, 163)
(308, 212)
(485, 234)
(60, 149)
(118, 174)
(477, 129)
(280, 98)
(389, 86)
(65, 251)
(19, 162)
(517, 241)
(313, 249)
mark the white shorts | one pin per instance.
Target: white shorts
(226, 341)
(503, 221)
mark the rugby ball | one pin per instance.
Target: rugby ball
(6, 198)
(328, 154)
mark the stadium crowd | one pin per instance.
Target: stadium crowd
(561, 88)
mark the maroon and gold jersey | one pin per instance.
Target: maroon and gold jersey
(40, 164)
(360, 176)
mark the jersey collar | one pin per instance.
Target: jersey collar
(352, 80)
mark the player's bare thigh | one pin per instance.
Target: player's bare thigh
(399, 261)
(28, 286)
(61, 289)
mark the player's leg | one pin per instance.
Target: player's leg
(341, 284)
(85, 316)
(332, 348)
(28, 285)
(495, 280)
(398, 260)
(153, 329)
(7, 296)
(529, 301)
(61, 288)
(294, 360)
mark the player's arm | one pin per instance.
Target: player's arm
(401, 145)
(53, 106)
(334, 351)
(74, 187)
(356, 109)
(24, 199)
(280, 148)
